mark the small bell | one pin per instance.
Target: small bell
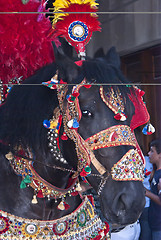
(61, 206)
(34, 200)
(78, 187)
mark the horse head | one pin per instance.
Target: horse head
(88, 111)
(100, 119)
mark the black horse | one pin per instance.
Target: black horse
(23, 136)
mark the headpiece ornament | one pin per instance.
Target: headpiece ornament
(75, 20)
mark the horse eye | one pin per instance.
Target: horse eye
(86, 113)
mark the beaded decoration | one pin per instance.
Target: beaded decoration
(114, 136)
(115, 102)
(30, 177)
(71, 116)
(82, 224)
(129, 167)
(53, 136)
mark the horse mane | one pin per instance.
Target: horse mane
(27, 105)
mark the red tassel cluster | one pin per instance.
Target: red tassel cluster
(24, 43)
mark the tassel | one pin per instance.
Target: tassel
(61, 206)
(70, 123)
(64, 136)
(40, 194)
(148, 129)
(78, 187)
(34, 200)
(120, 117)
(9, 156)
(23, 184)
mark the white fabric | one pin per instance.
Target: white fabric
(130, 232)
(148, 168)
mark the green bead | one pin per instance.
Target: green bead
(72, 98)
(87, 169)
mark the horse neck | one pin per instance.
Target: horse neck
(18, 201)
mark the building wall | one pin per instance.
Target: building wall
(127, 32)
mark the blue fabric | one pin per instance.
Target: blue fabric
(144, 224)
(155, 209)
(156, 235)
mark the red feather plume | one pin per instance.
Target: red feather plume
(24, 43)
(83, 14)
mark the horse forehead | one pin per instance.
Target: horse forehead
(87, 94)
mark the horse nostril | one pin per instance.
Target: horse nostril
(120, 205)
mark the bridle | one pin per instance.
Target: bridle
(129, 168)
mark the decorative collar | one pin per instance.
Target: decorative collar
(24, 168)
(82, 224)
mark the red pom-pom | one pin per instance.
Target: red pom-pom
(74, 193)
(88, 86)
(75, 94)
(62, 82)
(64, 136)
(107, 229)
(66, 205)
(117, 116)
(83, 173)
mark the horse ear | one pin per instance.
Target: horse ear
(68, 70)
(113, 57)
(99, 53)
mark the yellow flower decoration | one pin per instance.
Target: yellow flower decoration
(30, 230)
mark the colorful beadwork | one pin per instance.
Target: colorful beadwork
(114, 136)
(129, 167)
(4, 225)
(77, 225)
(30, 177)
(115, 102)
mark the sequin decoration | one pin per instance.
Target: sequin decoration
(30, 230)
(77, 225)
(31, 178)
(60, 228)
(81, 218)
(4, 225)
(129, 167)
(114, 101)
(114, 136)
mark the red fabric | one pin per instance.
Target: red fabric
(141, 115)
(24, 43)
